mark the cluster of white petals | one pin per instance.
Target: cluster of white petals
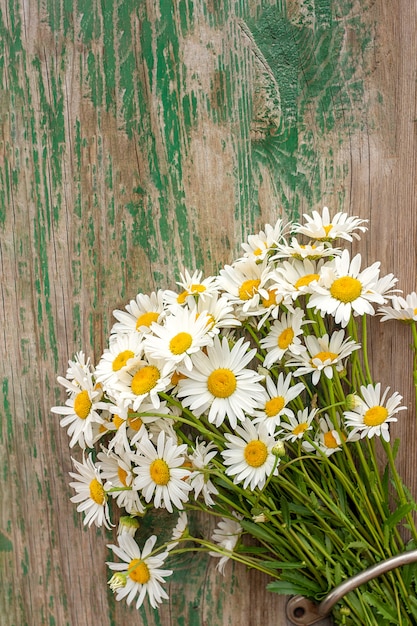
(202, 390)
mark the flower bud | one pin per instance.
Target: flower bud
(278, 449)
(352, 401)
(117, 581)
(128, 524)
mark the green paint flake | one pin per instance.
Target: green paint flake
(7, 412)
(5, 543)
(89, 22)
(109, 57)
(24, 563)
(315, 71)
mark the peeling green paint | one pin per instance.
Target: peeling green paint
(7, 412)
(315, 71)
(5, 543)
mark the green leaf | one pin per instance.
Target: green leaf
(399, 514)
(395, 448)
(285, 511)
(259, 531)
(284, 564)
(412, 603)
(385, 483)
(386, 610)
(285, 588)
(358, 545)
(407, 574)
(341, 496)
(305, 584)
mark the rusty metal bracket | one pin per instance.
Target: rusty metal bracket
(303, 612)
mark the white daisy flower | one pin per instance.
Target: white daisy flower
(145, 382)
(322, 355)
(219, 310)
(159, 473)
(140, 573)
(140, 314)
(220, 383)
(126, 425)
(298, 425)
(123, 355)
(384, 286)
(260, 245)
(79, 367)
(297, 278)
(243, 282)
(193, 286)
(302, 251)
(270, 306)
(249, 456)
(83, 407)
(153, 420)
(374, 412)
(226, 535)
(344, 290)
(283, 337)
(117, 471)
(199, 479)
(323, 228)
(128, 524)
(91, 496)
(279, 396)
(403, 309)
(328, 438)
(183, 334)
(180, 530)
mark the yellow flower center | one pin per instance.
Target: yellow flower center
(325, 356)
(303, 281)
(346, 289)
(180, 343)
(256, 453)
(139, 572)
(285, 338)
(211, 320)
(159, 471)
(181, 298)
(327, 228)
(118, 421)
(415, 311)
(330, 440)
(146, 319)
(121, 359)
(145, 379)
(135, 423)
(300, 428)
(271, 300)
(82, 404)
(176, 377)
(97, 492)
(122, 474)
(274, 406)
(221, 383)
(375, 416)
(257, 251)
(197, 288)
(248, 289)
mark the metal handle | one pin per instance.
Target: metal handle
(303, 612)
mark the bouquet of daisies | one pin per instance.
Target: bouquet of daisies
(248, 395)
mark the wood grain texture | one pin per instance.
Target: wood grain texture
(141, 138)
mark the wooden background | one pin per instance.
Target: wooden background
(139, 137)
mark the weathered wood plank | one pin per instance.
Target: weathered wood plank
(140, 138)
